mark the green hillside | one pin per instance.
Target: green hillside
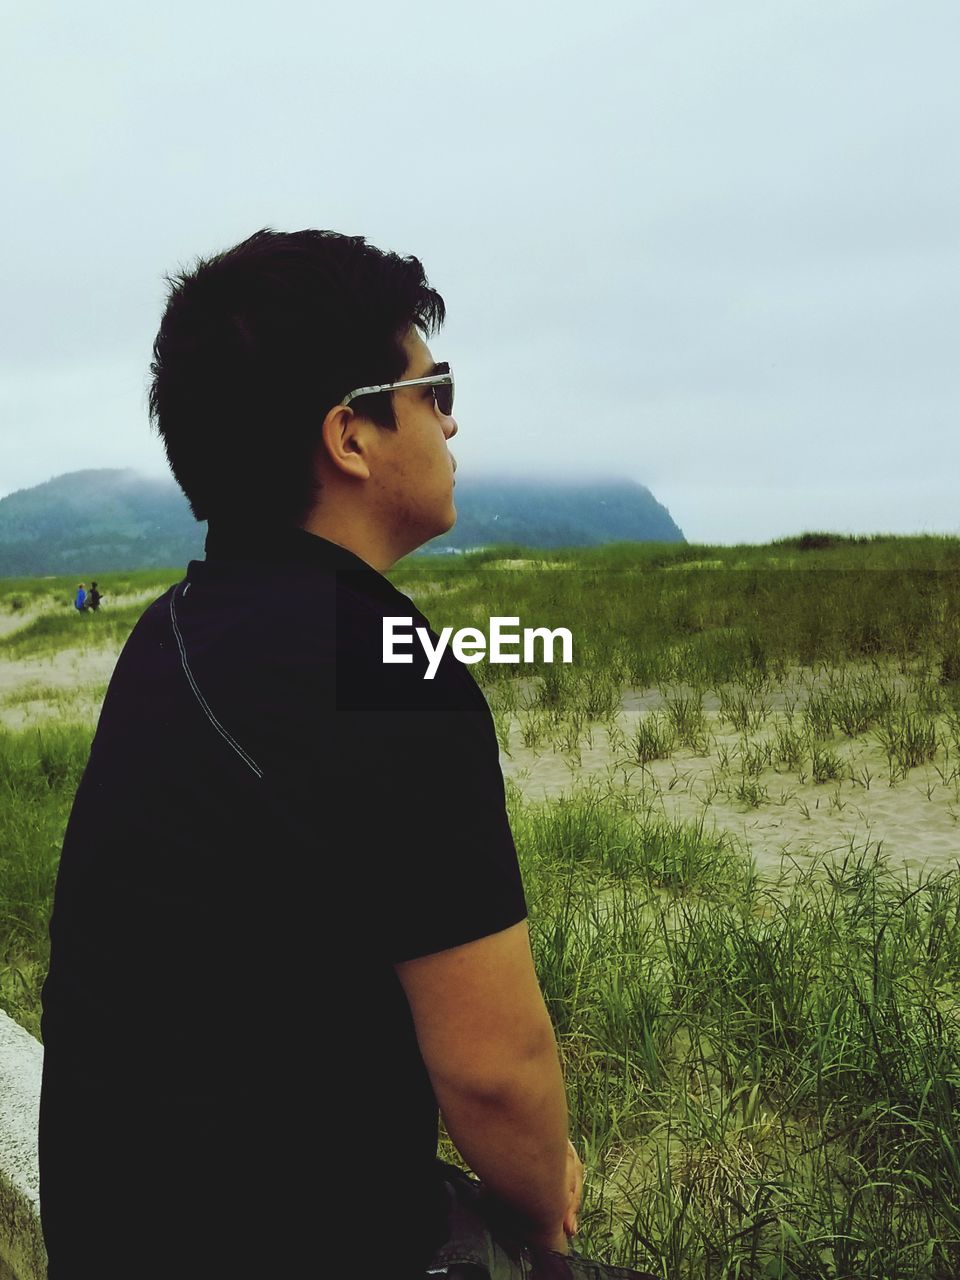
(556, 514)
(90, 522)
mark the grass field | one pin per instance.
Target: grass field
(738, 817)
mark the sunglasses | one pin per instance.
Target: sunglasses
(441, 381)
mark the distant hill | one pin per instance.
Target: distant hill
(554, 513)
(90, 522)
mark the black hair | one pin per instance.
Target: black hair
(258, 343)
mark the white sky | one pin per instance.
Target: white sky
(709, 245)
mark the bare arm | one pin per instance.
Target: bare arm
(489, 1047)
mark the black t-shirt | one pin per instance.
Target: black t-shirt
(270, 819)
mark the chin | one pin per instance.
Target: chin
(442, 524)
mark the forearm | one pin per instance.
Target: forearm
(514, 1137)
(491, 1051)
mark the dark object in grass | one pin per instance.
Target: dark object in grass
(823, 541)
(480, 1247)
(950, 666)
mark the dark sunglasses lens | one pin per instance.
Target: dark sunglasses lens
(444, 396)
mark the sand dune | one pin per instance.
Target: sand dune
(916, 819)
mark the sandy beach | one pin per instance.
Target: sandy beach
(916, 819)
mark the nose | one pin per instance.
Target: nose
(450, 427)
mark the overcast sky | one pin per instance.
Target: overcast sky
(709, 245)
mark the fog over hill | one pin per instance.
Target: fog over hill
(555, 513)
(90, 522)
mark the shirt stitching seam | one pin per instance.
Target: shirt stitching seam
(227, 737)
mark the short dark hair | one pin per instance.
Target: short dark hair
(258, 343)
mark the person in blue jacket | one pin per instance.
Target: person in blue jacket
(81, 600)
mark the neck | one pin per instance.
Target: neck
(356, 534)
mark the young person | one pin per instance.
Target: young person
(289, 927)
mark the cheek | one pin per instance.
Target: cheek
(428, 459)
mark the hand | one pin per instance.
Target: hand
(555, 1240)
(504, 1221)
(575, 1185)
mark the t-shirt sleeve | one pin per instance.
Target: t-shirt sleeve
(436, 839)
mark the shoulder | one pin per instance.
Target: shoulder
(391, 656)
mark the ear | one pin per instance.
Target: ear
(344, 436)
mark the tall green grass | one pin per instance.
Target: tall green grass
(40, 770)
(764, 1078)
(51, 624)
(52, 633)
(17, 594)
(760, 611)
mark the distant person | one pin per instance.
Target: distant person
(81, 601)
(289, 926)
(94, 597)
